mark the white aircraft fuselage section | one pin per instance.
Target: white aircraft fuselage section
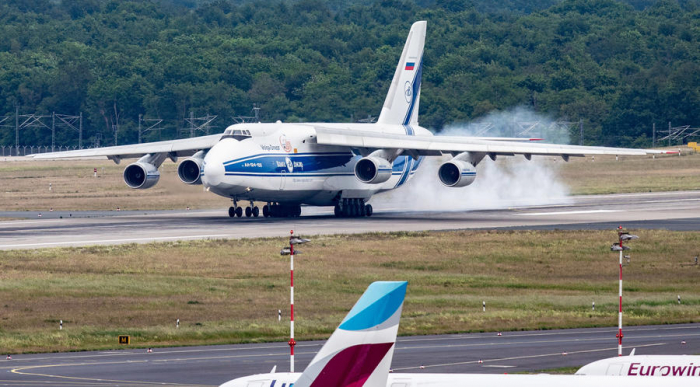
(284, 163)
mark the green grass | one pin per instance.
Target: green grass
(230, 291)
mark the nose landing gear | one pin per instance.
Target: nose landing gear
(352, 208)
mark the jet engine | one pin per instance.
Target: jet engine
(373, 170)
(141, 175)
(190, 169)
(457, 173)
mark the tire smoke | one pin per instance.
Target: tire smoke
(506, 182)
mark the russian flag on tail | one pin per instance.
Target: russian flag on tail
(410, 65)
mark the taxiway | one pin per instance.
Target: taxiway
(212, 365)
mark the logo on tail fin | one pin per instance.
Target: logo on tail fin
(359, 352)
(407, 79)
(408, 91)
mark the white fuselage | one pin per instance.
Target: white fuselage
(283, 163)
(645, 366)
(476, 380)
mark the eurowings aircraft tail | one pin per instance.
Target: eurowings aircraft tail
(360, 350)
(401, 104)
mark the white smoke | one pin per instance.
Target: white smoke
(507, 182)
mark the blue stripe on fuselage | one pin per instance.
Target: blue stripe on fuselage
(276, 163)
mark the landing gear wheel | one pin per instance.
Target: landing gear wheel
(231, 212)
(362, 209)
(368, 210)
(336, 211)
(248, 212)
(266, 211)
(239, 211)
(256, 211)
(297, 211)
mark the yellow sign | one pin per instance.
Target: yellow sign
(123, 339)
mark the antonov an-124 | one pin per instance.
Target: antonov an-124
(327, 164)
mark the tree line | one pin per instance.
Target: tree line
(619, 66)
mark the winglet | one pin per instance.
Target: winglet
(360, 350)
(401, 104)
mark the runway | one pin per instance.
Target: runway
(212, 365)
(667, 210)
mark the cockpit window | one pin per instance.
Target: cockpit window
(238, 134)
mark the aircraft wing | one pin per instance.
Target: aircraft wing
(437, 145)
(173, 148)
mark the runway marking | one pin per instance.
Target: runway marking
(508, 343)
(523, 357)
(498, 366)
(165, 351)
(573, 331)
(18, 371)
(567, 212)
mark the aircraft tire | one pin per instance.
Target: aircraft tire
(248, 212)
(231, 212)
(256, 212)
(266, 211)
(239, 211)
(297, 211)
(368, 210)
(336, 211)
(361, 208)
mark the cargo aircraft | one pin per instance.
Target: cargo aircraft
(359, 354)
(327, 164)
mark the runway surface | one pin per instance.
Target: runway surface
(213, 365)
(669, 210)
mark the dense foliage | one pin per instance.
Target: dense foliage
(619, 66)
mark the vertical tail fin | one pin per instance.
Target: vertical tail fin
(401, 104)
(360, 350)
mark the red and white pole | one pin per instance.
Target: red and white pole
(619, 319)
(292, 343)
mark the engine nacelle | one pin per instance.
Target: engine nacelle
(141, 175)
(190, 170)
(457, 173)
(373, 170)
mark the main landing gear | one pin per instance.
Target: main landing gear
(275, 210)
(352, 208)
(237, 211)
(279, 210)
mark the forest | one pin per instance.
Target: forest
(618, 66)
